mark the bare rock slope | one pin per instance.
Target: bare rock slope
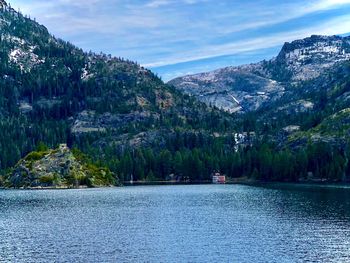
(249, 87)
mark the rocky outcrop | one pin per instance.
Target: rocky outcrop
(57, 168)
(334, 130)
(234, 89)
(90, 122)
(308, 58)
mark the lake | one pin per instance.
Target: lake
(188, 223)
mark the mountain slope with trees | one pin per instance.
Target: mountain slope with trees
(53, 92)
(126, 119)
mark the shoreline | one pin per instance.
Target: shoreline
(54, 188)
(302, 185)
(240, 181)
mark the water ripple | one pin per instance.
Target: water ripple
(209, 223)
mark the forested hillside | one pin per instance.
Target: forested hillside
(53, 92)
(126, 119)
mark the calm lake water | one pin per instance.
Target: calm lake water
(196, 223)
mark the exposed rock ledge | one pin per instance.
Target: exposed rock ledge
(58, 168)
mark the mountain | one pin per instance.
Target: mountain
(298, 102)
(125, 120)
(54, 92)
(249, 87)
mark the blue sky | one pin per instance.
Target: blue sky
(179, 37)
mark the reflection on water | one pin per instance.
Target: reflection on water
(206, 223)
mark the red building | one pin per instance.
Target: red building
(219, 178)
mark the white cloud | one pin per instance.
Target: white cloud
(269, 15)
(158, 3)
(167, 32)
(337, 26)
(325, 4)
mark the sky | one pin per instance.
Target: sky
(179, 37)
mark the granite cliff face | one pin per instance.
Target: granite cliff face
(233, 89)
(310, 57)
(251, 87)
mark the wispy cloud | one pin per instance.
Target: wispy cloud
(158, 3)
(340, 25)
(159, 33)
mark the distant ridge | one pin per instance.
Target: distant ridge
(248, 88)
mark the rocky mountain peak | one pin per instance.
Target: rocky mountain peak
(309, 41)
(306, 58)
(314, 45)
(249, 87)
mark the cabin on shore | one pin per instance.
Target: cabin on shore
(218, 178)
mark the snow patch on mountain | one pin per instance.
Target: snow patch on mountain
(250, 87)
(25, 59)
(23, 53)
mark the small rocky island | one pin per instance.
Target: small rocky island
(58, 168)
